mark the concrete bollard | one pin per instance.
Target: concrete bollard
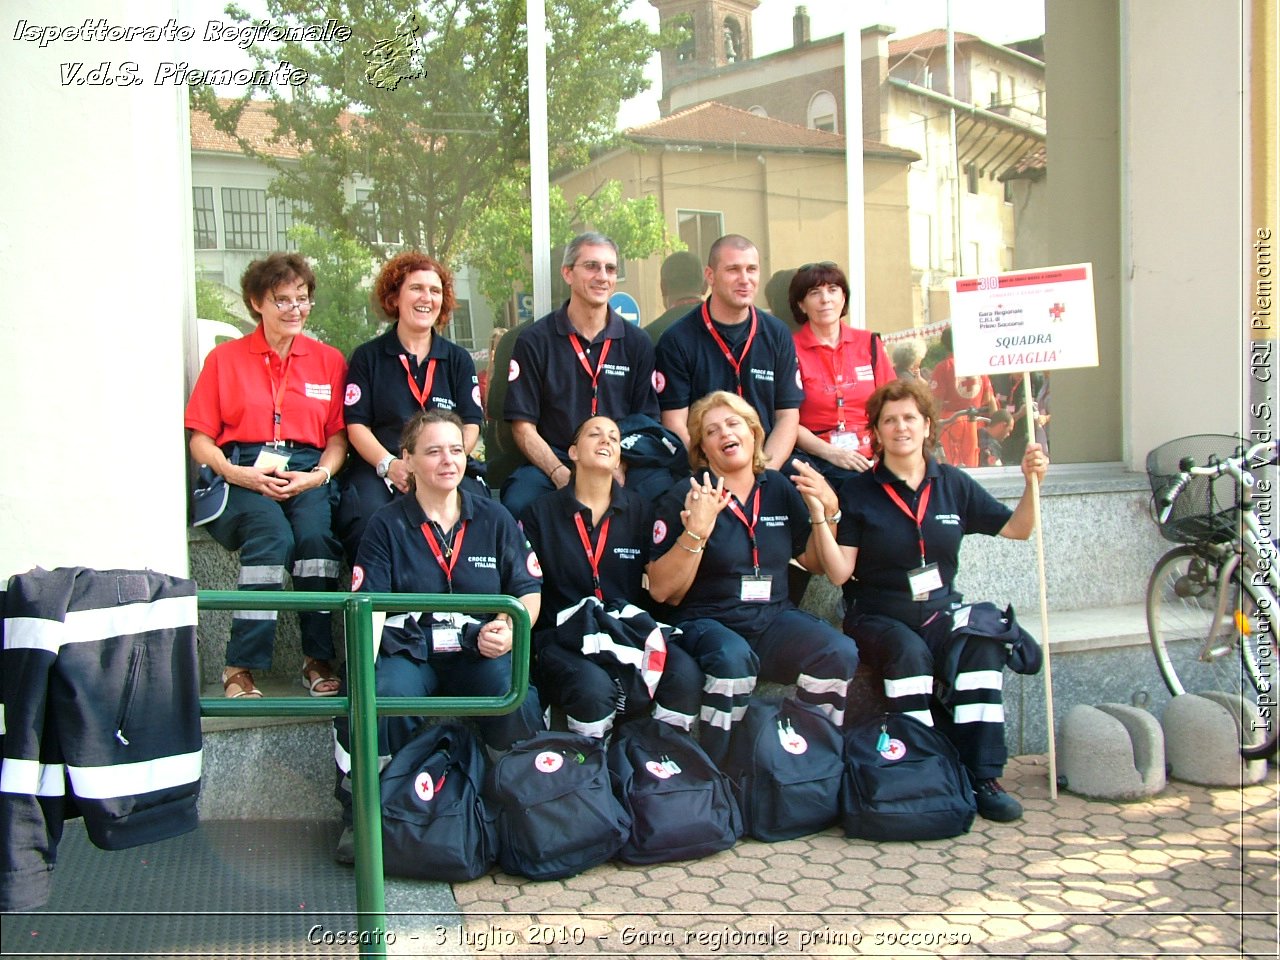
(1203, 735)
(1112, 752)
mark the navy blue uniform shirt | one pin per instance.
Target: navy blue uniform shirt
(691, 364)
(549, 525)
(395, 557)
(378, 394)
(782, 532)
(887, 541)
(548, 385)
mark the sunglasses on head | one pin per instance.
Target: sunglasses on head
(829, 264)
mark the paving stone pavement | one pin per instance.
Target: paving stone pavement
(1191, 872)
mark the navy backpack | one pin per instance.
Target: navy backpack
(556, 811)
(786, 763)
(435, 823)
(681, 805)
(903, 781)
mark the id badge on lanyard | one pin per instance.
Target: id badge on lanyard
(757, 587)
(446, 634)
(925, 578)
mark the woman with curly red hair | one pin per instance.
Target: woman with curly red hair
(409, 368)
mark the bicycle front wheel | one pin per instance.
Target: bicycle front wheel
(1181, 599)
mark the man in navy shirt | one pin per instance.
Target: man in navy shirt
(725, 343)
(579, 361)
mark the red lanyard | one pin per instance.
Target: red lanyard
(750, 525)
(425, 393)
(454, 550)
(918, 516)
(277, 393)
(724, 347)
(586, 365)
(835, 361)
(593, 557)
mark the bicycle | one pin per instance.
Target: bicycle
(970, 414)
(1211, 601)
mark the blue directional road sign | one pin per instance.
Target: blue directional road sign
(624, 304)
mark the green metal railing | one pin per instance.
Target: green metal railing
(363, 706)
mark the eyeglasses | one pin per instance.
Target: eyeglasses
(595, 266)
(828, 264)
(286, 306)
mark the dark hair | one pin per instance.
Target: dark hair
(261, 278)
(386, 289)
(414, 426)
(775, 292)
(1001, 416)
(735, 241)
(577, 433)
(681, 275)
(903, 390)
(813, 275)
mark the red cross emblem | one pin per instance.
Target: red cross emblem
(425, 787)
(658, 769)
(895, 751)
(1056, 311)
(352, 395)
(548, 762)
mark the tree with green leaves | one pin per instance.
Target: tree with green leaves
(417, 126)
(343, 314)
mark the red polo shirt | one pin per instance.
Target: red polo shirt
(844, 370)
(234, 399)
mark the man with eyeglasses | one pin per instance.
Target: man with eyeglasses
(580, 360)
(725, 343)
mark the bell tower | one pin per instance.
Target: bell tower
(716, 33)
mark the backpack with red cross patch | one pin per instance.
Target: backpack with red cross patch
(681, 805)
(557, 814)
(435, 823)
(786, 764)
(903, 780)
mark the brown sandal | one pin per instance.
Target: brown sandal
(316, 672)
(244, 680)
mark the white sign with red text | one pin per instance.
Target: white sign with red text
(1039, 319)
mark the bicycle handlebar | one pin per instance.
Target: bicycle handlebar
(1188, 469)
(971, 413)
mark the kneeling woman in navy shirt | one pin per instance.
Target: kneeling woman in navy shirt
(899, 538)
(721, 545)
(445, 540)
(592, 537)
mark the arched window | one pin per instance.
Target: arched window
(733, 51)
(758, 110)
(822, 112)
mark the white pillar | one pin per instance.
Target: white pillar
(95, 278)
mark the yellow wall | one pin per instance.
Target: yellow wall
(793, 205)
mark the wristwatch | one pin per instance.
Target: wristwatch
(834, 518)
(384, 465)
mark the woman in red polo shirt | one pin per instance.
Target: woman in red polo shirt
(266, 415)
(840, 368)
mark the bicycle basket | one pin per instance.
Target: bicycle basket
(1207, 509)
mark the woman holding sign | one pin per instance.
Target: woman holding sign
(899, 539)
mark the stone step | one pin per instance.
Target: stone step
(274, 767)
